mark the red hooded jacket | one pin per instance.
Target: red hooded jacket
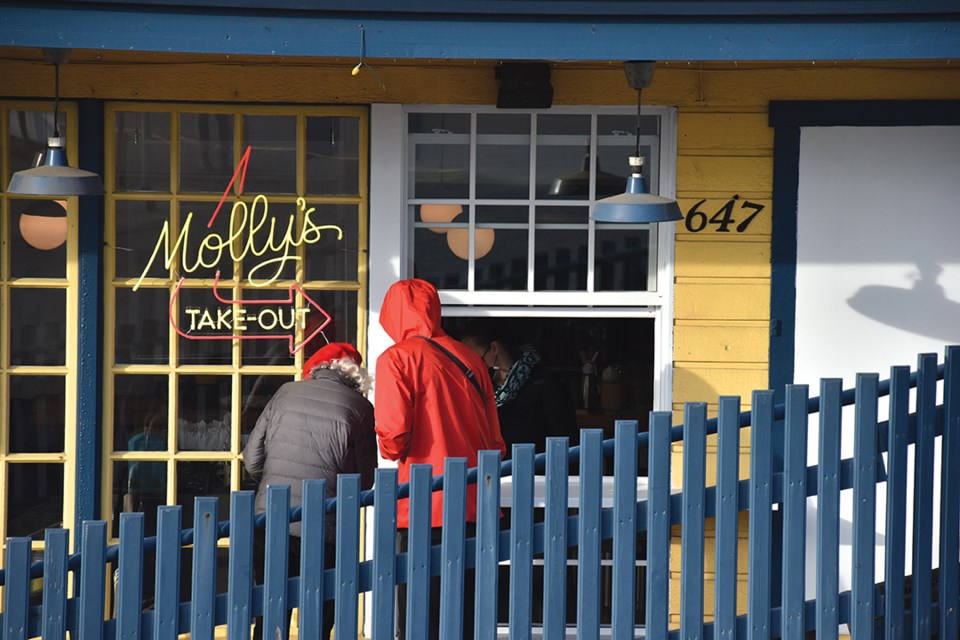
(426, 409)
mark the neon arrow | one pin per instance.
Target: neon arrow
(290, 299)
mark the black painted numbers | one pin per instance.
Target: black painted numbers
(735, 215)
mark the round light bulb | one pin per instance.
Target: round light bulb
(459, 242)
(439, 213)
(44, 232)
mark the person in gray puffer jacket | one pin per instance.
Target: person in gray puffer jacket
(313, 428)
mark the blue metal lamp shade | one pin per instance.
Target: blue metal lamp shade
(55, 177)
(636, 205)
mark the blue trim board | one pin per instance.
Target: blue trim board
(503, 36)
(90, 320)
(787, 118)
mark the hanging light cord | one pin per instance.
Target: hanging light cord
(56, 101)
(639, 93)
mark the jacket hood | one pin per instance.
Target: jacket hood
(411, 308)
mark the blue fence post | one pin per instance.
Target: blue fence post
(555, 539)
(418, 551)
(588, 548)
(624, 530)
(897, 442)
(488, 545)
(203, 583)
(166, 607)
(348, 556)
(761, 498)
(312, 558)
(384, 552)
(794, 511)
(658, 525)
(923, 496)
(453, 548)
(728, 518)
(692, 530)
(92, 581)
(16, 591)
(828, 510)
(240, 569)
(276, 617)
(950, 496)
(865, 502)
(521, 543)
(55, 554)
(130, 583)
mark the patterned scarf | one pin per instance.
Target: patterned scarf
(517, 376)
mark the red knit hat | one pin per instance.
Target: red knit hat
(332, 351)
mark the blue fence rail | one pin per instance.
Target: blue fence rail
(773, 609)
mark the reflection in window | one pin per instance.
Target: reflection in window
(143, 151)
(38, 236)
(203, 413)
(38, 331)
(140, 413)
(141, 326)
(331, 257)
(139, 486)
(560, 260)
(35, 498)
(504, 266)
(333, 155)
(623, 260)
(273, 160)
(139, 224)
(36, 414)
(206, 152)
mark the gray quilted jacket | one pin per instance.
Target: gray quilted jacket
(313, 428)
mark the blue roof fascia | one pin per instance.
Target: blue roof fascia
(286, 33)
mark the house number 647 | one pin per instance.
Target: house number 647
(696, 220)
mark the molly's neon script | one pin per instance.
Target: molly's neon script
(262, 235)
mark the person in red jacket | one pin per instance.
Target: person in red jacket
(428, 408)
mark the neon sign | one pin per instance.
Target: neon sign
(263, 235)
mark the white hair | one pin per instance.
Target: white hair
(359, 377)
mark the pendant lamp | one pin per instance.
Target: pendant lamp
(55, 177)
(636, 204)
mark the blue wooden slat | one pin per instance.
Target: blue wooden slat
(921, 604)
(694, 481)
(488, 545)
(727, 519)
(348, 556)
(276, 560)
(92, 579)
(418, 552)
(864, 500)
(16, 591)
(895, 533)
(588, 549)
(312, 539)
(384, 552)
(166, 606)
(130, 585)
(453, 548)
(555, 539)
(950, 498)
(828, 510)
(55, 553)
(625, 530)
(794, 512)
(658, 525)
(521, 547)
(761, 495)
(240, 569)
(203, 582)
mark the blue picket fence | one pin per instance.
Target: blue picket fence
(919, 605)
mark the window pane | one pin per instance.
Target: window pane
(38, 331)
(35, 493)
(563, 150)
(560, 260)
(273, 158)
(203, 418)
(503, 156)
(29, 131)
(261, 263)
(256, 391)
(274, 319)
(211, 338)
(143, 151)
(341, 306)
(38, 235)
(206, 152)
(142, 326)
(505, 266)
(139, 487)
(331, 258)
(139, 413)
(36, 414)
(487, 214)
(622, 259)
(204, 263)
(440, 123)
(333, 155)
(139, 225)
(434, 261)
(563, 215)
(207, 479)
(441, 167)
